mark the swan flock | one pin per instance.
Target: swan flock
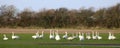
(55, 35)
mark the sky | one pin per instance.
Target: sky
(54, 4)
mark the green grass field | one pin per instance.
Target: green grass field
(26, 41)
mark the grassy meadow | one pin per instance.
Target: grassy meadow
(26, 41)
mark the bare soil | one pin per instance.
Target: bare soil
(9, 30)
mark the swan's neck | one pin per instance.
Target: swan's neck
(96, 34)
(65, 33)
(92, 33)
(37, 34)
(13, 34)
(50, 33)
(42, 32)
(57, 32)
(79, 34)
(110, 34)
(4, 36)
(53, 33)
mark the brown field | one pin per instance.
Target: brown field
(9, 30)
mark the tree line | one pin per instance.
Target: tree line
(60, 18)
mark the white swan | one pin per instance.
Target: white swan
(14, 36)
(94, 36)
(65, 36)
(51, 35)
(5, 38)
(41, 36)
(57, 37)
(81, 36)
(88, 36)
(98, 36)
(36, 36)
(111, 36)
(71, 37)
